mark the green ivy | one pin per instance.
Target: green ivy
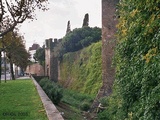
(81, 71)
(136, 93)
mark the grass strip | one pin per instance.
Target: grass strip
(19, 100)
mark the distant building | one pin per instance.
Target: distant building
(32, 51)
(35, 46)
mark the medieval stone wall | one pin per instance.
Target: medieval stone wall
(51, 61)
(55, 69)
(47, 59)
(35, 69)
(109, 22)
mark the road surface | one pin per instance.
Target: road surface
(7, 77)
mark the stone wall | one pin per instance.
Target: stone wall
(35, 69)
(109, 22)
(48, 50)
(51, 61)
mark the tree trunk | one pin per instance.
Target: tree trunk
(12, 72)
(0, 66)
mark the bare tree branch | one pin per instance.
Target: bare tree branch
(2, 10)
(15, 12)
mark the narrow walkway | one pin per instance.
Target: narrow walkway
(51, 110)
(23, 77)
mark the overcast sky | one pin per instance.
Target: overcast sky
(53, 23)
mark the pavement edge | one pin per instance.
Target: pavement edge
(51, 110)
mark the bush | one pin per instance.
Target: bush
(53, 90)
(85, 106)
(103, 115)
(104, 101)
(56, 93)
(38, 78)
(43, 81)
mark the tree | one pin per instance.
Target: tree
(15, 51)
(68, 27)
(0, 59)
(80, 38)
(14, 12)
(40, 56)
(86, 20)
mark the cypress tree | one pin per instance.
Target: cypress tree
(68, 27)
(86, 20)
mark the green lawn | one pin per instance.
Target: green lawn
(19, 99)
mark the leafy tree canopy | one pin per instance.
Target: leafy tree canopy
(80, 38)
(40, 55)
(14, 46)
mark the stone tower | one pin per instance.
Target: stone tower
(109, 22)
(51, 62)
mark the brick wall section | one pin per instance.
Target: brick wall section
(36, 69)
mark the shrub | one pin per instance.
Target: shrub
(103, 115)
(53, 90)
(104, 101)
(38, 78)
(56, 93)
(85, 106)
(43, 81)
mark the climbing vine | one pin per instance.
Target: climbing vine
(136, 93)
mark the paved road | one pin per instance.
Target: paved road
(8, 77)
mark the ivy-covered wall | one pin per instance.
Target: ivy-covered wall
(136, 93)
(81, 70)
